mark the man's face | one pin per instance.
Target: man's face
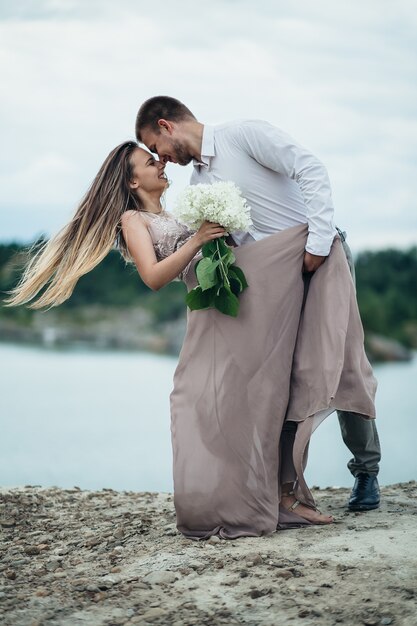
(167, 146)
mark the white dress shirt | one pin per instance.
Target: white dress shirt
(283, 183)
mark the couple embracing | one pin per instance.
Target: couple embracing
(248, 391)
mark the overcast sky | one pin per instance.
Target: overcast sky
(341, 77)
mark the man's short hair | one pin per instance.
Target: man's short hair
(160, 107)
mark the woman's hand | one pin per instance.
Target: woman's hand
(209, 231)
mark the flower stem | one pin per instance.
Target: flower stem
(222, 268)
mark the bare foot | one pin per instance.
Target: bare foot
(312, 515)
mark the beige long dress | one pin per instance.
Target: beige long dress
(288, 355)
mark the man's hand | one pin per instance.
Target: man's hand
(312, 262)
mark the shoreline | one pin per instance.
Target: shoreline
(73, 556)
(168, 343)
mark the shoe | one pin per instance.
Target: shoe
(365, 493)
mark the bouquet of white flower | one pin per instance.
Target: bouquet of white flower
(219, 280)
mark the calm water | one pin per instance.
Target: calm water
(102, 420)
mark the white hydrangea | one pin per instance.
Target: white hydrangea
(220, 202)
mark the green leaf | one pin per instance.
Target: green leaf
(237, 273)
(228, 257)
(206, 273)
(209, 248)
(199, 299)
(235, 285)
(222, 245)
(226, 302)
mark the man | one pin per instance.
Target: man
(285, 185)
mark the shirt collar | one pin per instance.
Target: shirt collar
(207, 147)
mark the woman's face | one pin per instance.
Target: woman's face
(147, 173)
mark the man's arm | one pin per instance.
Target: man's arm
(276, 150)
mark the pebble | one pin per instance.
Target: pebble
(253, 558)
(161, 577)
(257, 593)
(151, 614)
(90, 543)
(107, 582)
(32, 550)
(8, 522)
(284, 573)
(52, 565)
(64, 548)
(119, 533)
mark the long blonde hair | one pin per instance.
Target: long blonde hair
(80, 245)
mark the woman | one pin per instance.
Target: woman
(234, 474)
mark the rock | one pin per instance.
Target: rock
(79, 584)
(53, 564)
(119, 533)
(197, 565)
(284, 573)
(151, 614)
(98, 597)
(46, 539)
(42, 592)
(94, 541)
(214, 539)
(162, 577)
(8, 522)
(107, 582)
(258, 593)
(253, 558)
(10, 574)
(382, 349)
(32, 550)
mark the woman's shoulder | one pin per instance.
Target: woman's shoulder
(131, 216)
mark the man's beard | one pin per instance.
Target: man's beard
(181, 155)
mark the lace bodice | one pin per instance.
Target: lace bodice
(167, 235)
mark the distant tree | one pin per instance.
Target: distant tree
(387, 293)
(386, 283)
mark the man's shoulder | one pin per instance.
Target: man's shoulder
(240, 130)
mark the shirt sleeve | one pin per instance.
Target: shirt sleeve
(278, 151)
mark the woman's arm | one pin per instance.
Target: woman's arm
(156, 274)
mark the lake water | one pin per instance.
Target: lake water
(101, 419)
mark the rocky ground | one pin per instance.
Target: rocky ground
(72, 557)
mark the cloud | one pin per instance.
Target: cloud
(339, 77)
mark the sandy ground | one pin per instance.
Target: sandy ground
(73, 557)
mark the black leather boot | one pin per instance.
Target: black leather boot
(365, 493)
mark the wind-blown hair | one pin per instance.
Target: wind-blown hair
(160, 107)
(80, 245)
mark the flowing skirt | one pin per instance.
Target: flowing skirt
(291, 354)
